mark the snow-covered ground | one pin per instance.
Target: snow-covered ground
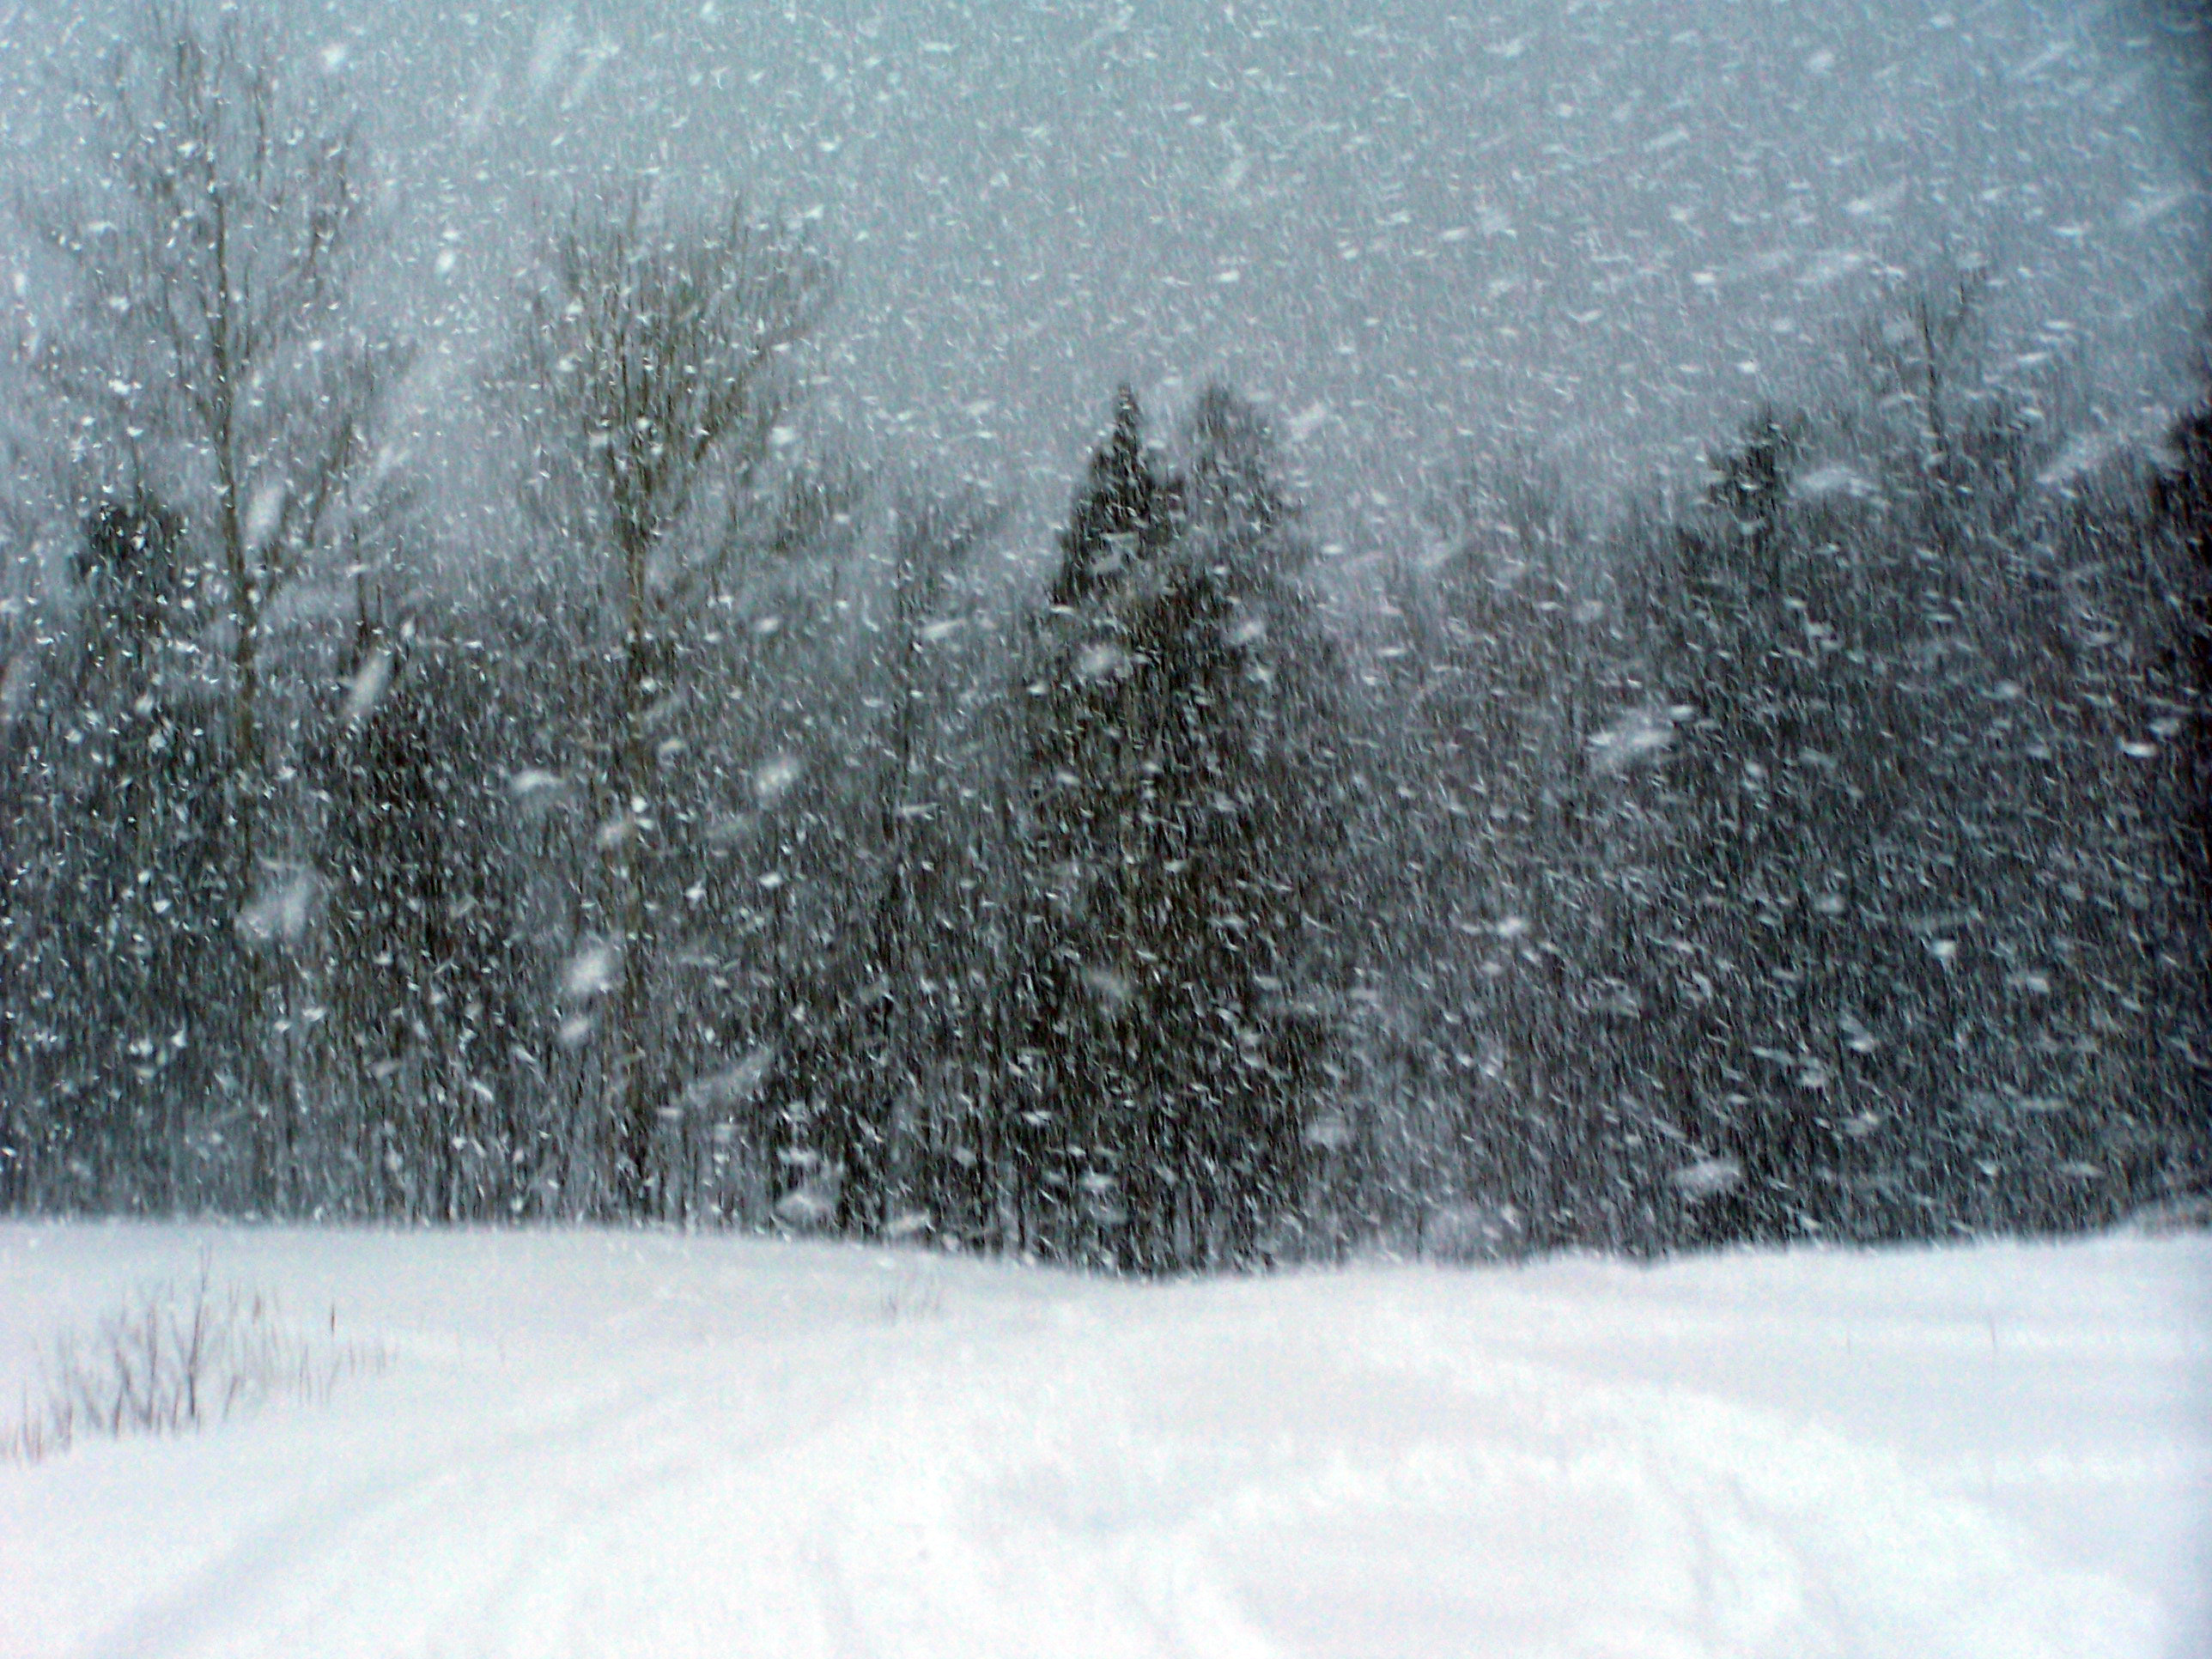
(604, 1444)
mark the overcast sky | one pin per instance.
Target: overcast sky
(1594, 230)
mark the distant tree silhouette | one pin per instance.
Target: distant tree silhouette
(119, 953)
(429, 979)
(1179, 785)
(648, 376)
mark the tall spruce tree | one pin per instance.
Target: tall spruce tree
(1179, 774)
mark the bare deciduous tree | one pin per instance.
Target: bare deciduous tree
(650, 379)
(206, 346)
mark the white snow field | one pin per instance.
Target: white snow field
(599, 1443)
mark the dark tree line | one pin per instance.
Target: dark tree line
(1825, 854)
(1832, 847)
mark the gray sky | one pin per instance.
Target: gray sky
(1595, 230)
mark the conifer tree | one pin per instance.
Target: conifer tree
(118, 925)
(1178, 773)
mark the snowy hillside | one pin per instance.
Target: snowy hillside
(601, 1443)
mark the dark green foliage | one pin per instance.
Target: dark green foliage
(1850, 872)
(2181, 498)
(118, 1060)
(1178, 785)
(427, 976)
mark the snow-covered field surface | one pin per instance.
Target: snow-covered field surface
(610, 1443)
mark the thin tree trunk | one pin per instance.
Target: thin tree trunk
(629, 1100)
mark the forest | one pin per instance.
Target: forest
(1819, 852)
